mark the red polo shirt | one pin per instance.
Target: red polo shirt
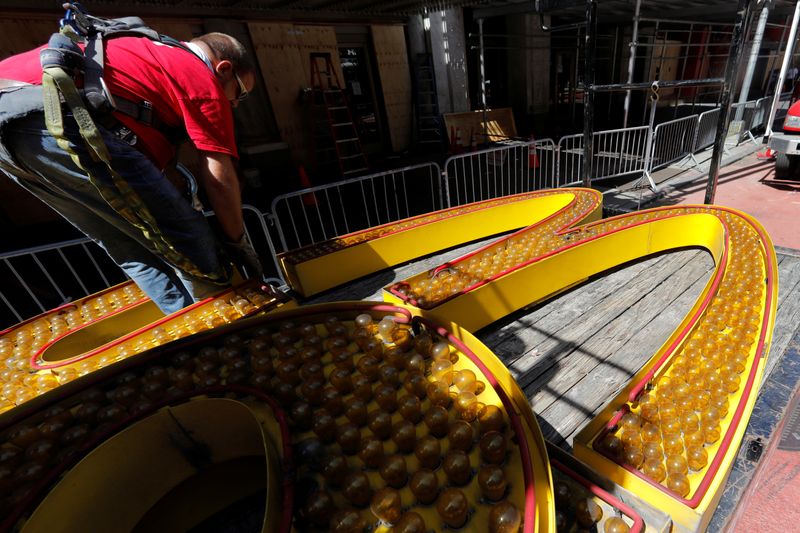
(182, 89)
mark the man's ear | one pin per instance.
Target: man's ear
(223, 66)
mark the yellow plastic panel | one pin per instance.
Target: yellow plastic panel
(366, 397)
(78, 338)
(717, 353)
(120, 484)
(313, 269)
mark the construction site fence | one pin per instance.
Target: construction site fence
(513, 167)
(43, 277)
(616, 153)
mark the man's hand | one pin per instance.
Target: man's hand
(245, 258)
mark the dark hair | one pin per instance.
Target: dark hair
(228, 48)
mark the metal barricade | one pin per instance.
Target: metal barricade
(783, 106)
(543, 164)
(706, 129)
(742, 122)
(570, 159)
(616, 153)
(43, 277)
(673, 140)
(320, 213)
(490, 173)
(760, 115)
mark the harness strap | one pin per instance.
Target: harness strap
(56, 83)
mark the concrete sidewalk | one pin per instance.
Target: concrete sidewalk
(745, 183)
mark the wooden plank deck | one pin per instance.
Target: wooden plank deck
(571, 355)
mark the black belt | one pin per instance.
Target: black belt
(141, 112)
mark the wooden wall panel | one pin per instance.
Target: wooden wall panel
(392, 58)
(181, 30)
(18, 34)
(283, 54)
(318, 39)
(279, 58)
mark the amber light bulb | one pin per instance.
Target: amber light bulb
(371, 452)
(386, 505)
(347, 521)
(452, 506)
(697, 457)
(588, 512)
(404, 435)
(654, 469)
(616, 524)
(504, 518)
(428, 451)
(457, 467)
(678, 483)
(410, 522)
(439, 393)
(493, 447)
(491, 418)
(492, 481)
(410, 408)
(320, 508)
(424, 485)
(437, 420)
(676, 463)
(357, 489)
(633, 456)
(394, 471)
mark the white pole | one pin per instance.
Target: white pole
(632, 60)
(751, 63)
(787, 57)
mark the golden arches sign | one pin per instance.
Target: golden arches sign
(670, 436)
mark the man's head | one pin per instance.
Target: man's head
(231, 64)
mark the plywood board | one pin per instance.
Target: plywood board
(392, 59)
(665, 65)
(500, 125)
(181, 30)
(318, 39)
(22, 33)
(278, 55)
(283, 53)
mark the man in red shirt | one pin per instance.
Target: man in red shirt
(188, 91)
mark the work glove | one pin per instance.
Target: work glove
(245, 258)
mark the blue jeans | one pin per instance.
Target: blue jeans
(48, 172)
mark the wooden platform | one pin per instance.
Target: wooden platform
(573, 353)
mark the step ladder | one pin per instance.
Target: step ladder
(337, 146)
(429, 122)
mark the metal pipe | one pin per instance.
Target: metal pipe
(557, 28)
(588, 93)
(632, 60)
(640, 86)
(739, 30)
(751, 63)
(787, 56)
(574, 84)
(613, 73)
(650, 62)
(683, 71)
(483, 79)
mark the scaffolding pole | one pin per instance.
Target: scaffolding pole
(632, 60)
(751, 63)
(787, 57)
(588, 93)
(483, 79)
(737, 39)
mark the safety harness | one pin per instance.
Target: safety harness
(63, 62)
